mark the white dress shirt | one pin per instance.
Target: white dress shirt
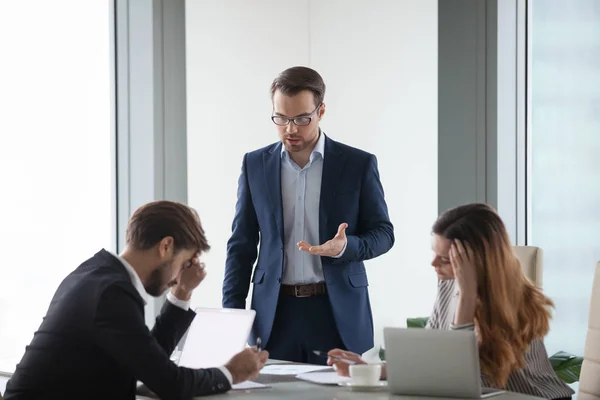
(301, 196)
(171, 298)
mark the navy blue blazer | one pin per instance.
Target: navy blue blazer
(351, 192)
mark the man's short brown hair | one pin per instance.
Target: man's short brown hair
(296, 79)
(154, 221)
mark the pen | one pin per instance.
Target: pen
(323, 354)
(258, 344)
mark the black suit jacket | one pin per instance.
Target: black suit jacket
(94, 343)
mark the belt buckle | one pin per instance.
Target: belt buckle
(297, 294)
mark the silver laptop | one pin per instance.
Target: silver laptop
(215, 335)
(436, 363)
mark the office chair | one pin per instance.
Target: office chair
(589, 378)
(531, 259)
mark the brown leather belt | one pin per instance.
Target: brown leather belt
(312, 289)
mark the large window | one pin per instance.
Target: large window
(564, 158)
(55, 155)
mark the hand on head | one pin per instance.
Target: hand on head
(341, 367)
(189, 278)
(463, 267)
(247, 364)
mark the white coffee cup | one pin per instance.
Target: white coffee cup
(365, 374)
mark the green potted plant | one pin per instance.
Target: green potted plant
(566, 365)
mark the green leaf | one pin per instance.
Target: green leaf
(382, 354)
(416, 322)
(567, 366)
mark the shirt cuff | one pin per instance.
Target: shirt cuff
(465, 327)
(227, 374)
(183, 304)
(341, 252)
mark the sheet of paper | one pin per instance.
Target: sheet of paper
(291, 369)
(248, 385)
(323, 378)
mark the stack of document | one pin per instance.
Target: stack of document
(281, 369)
(291, 369)
(323, 378)
(319, 374)
(248, 385)
(310, 373)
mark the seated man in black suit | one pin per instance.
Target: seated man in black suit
(94, 343)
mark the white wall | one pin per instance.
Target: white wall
(379, 62)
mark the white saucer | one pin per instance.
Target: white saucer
(364, 388)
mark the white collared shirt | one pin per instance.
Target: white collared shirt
(183, 304)
(139, 286)
(301, 196)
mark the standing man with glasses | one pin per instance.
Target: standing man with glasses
(316, 208)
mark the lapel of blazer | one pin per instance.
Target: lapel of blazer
(333, 166)
(272, 170)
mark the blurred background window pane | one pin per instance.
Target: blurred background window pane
(55, 155)
(564, 158)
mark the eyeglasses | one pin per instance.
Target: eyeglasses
(298, 121)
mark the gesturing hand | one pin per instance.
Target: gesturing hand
(330, 248)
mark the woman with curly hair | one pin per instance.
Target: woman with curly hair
(482, 288)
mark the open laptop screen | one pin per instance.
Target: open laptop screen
(216, 335)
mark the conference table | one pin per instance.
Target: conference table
(300, 390)
(288, 387)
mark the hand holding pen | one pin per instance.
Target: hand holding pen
(334, 358)
(342, 359)
(247, 364)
